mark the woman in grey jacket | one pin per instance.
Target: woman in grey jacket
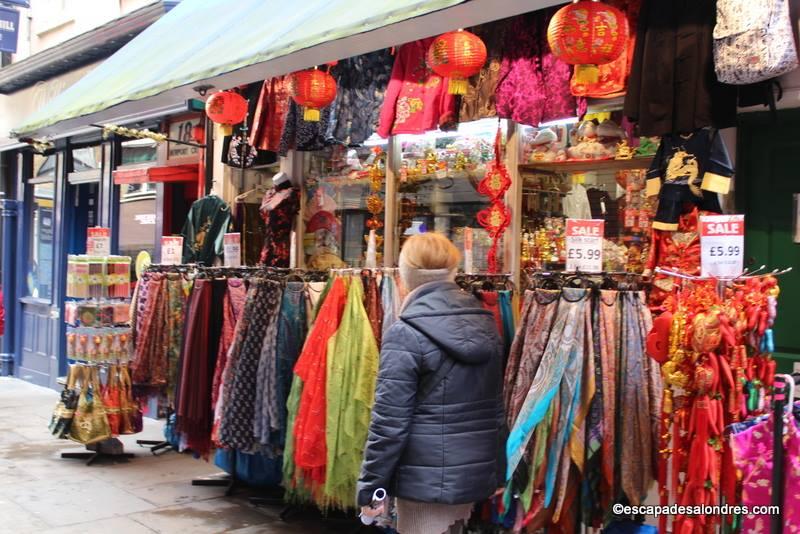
(435, 440)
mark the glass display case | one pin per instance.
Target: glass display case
(438, 186)
(588, 170)
(344, 201)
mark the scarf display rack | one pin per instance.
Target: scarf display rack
(581, 400)
(348, 308)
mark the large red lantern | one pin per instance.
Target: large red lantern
(226, 108)
(313, 89)
(588, 33)
(457, 56)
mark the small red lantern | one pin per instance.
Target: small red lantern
(457, 56)
(588, 33)
(226, 108)
(313, 89)
(199, 134)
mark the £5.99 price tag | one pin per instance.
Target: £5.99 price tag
(585, 245)
(722, 245)
(171, 250)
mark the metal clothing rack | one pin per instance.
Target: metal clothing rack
(783, 397)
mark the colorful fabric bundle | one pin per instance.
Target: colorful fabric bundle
(582, 401)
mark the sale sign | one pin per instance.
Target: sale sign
(584, 245)
(171, 250)
(98, 241)
(232, 249)
(722, 245)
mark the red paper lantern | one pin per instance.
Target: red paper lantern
(226, 108)
(588, 33)
(313, 89)
(457, 56)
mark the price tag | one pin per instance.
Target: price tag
(232, 249)
(172, 250)
(585, 245)
(98, 241)
(722, 245)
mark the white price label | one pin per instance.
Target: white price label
(584, 245)
(232, 249)
(98, 241)
(722, 245)
(172, 250)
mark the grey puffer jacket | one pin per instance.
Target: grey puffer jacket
(448, 446)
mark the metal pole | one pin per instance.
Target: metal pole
(8, 230)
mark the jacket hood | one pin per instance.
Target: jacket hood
(454, 321)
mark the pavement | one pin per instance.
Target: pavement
(42, 493)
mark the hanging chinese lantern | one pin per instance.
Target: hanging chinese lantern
(457, 56)
(226, 108)
(588, 33)
(313, 89)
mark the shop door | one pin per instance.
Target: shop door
(768, 161)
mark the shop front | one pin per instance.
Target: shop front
(595, 214)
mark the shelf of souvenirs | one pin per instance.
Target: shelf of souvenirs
(567, 166)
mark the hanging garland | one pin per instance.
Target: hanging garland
(132, 133)
(497, 217)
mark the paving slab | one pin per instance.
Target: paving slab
(114, 525)
(61, 501)
(204, 517)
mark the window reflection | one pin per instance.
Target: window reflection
(40, 256)
(438, 185)
(342, 186)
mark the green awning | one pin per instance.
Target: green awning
(202, 39)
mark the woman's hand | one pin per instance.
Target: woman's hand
(369, 511)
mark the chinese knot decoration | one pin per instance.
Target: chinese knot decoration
(457, 56)
(375, 204)
(587, 33)
(497, 216)
(226, 108)
(313, 89)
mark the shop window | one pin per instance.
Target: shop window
(41, 236)
(139, 151)
(87, 158)
(568, 173)
(137, 219)
(342, 186)
(438, 185)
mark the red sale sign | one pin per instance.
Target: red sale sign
(584, 245)
(171, 250)
(98, 241)
(722, 245)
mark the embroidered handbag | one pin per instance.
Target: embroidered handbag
(90, 423)
(130, 413)
(64, 411)
(111, 400)
(753, 41)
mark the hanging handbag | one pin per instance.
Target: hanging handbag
(111, 400)
(753, 41)
(131, 421)
(63, 414)
(90, 423)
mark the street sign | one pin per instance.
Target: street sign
(9, 29)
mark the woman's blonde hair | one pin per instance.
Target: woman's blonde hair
(430, 251)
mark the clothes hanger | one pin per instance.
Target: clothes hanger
(259, 188)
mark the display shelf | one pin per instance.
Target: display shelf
(586, 166)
